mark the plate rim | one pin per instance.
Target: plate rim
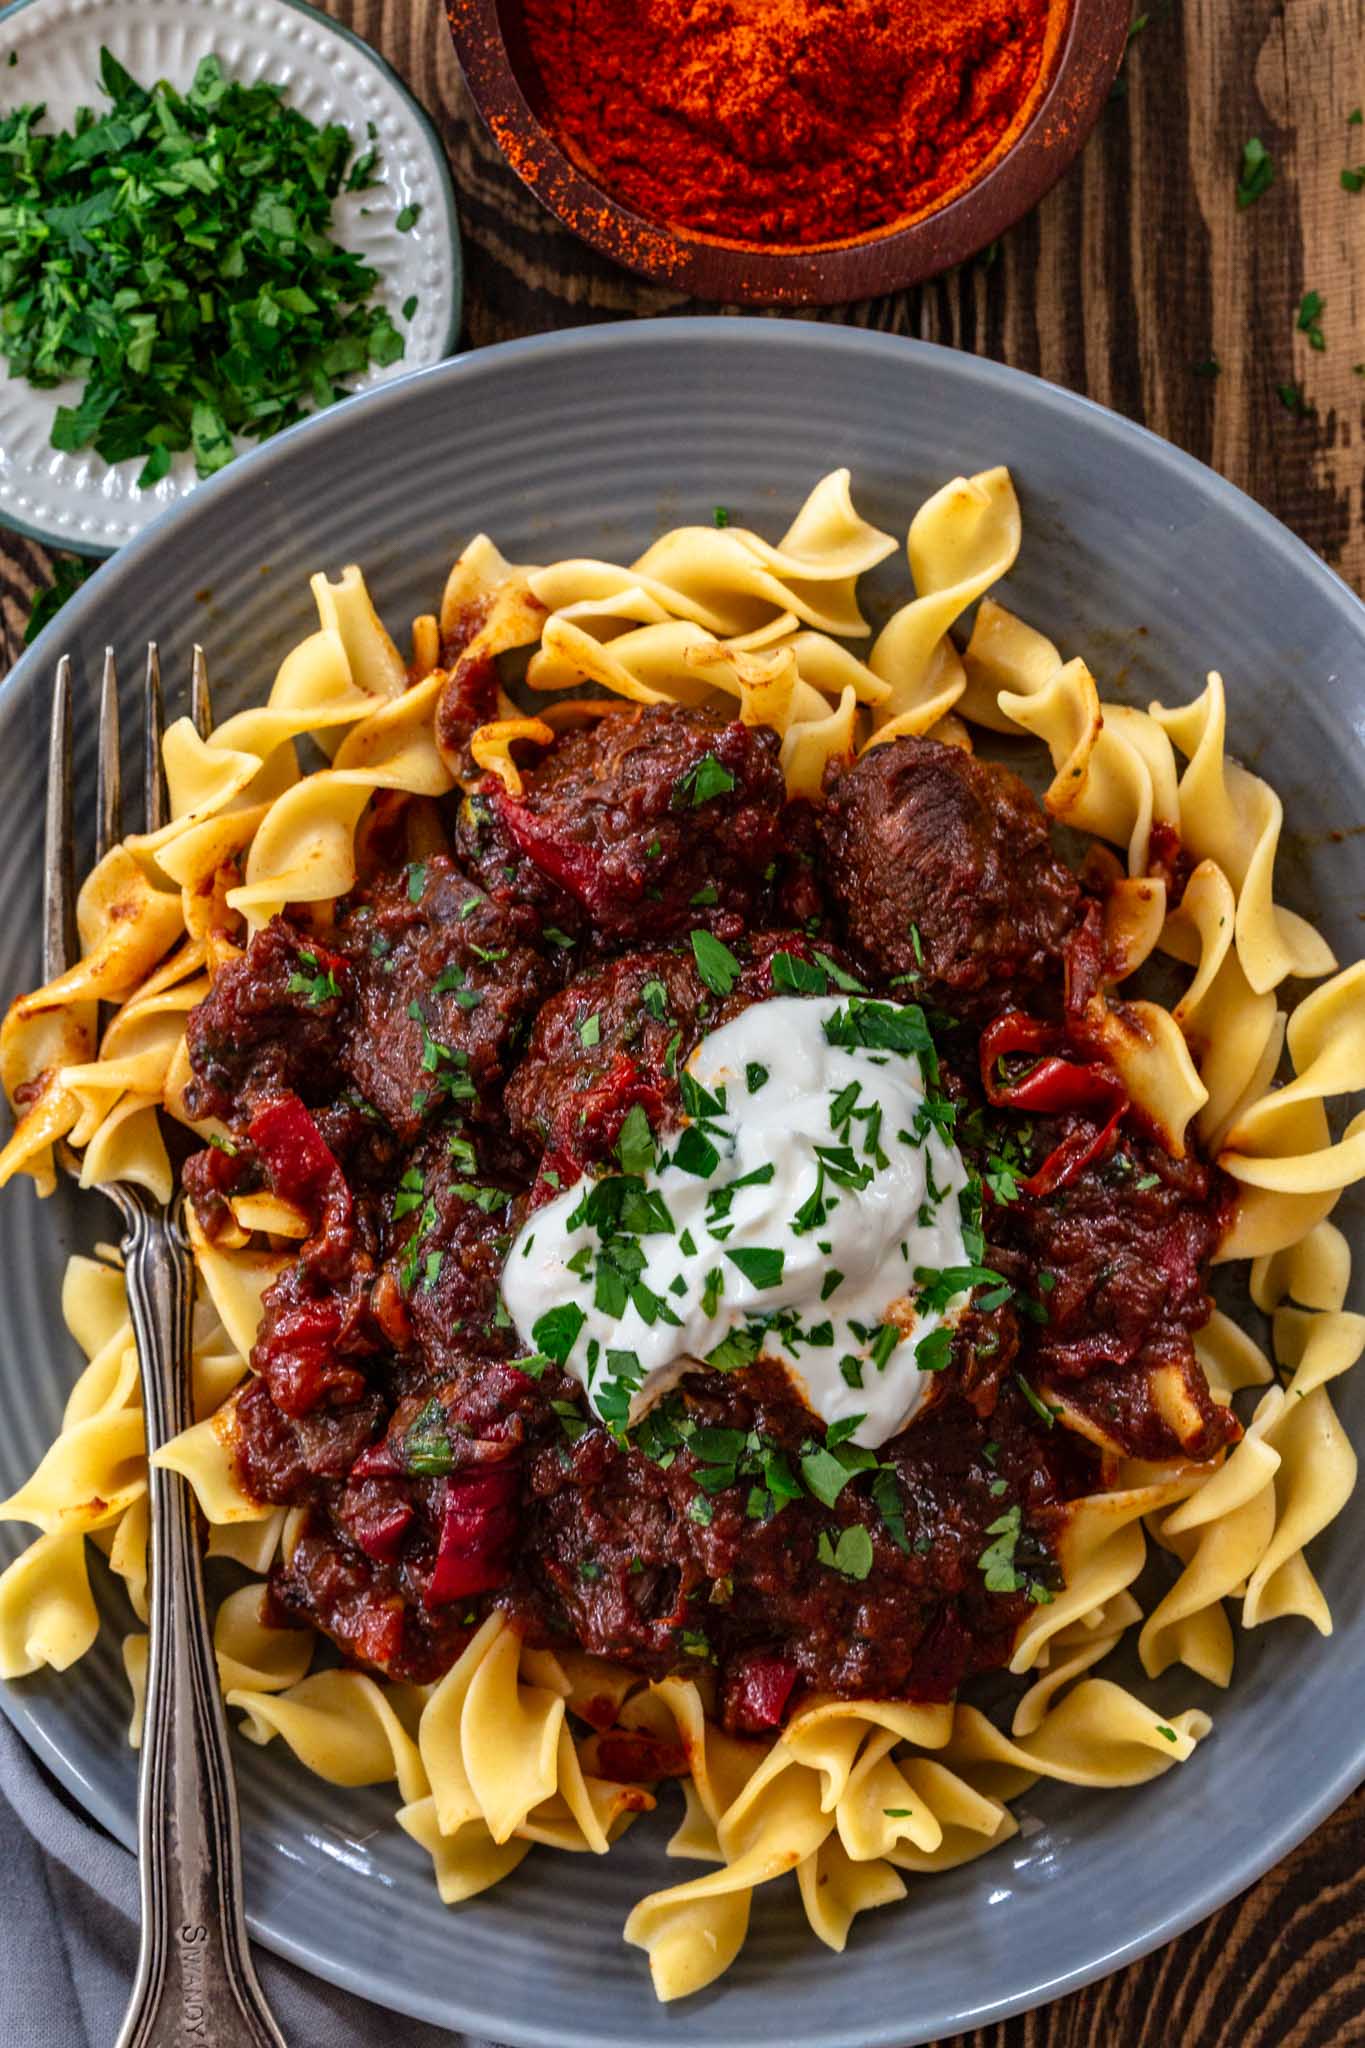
(1244, 1867)
(103, 551)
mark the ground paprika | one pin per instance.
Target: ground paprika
(785, 121)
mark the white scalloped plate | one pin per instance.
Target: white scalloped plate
(50, 52)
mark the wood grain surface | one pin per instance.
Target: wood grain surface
(1133, 277)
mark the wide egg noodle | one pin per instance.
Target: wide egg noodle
(506, 1750)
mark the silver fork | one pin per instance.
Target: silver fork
(195, 1978)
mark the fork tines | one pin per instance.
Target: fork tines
(59, 853)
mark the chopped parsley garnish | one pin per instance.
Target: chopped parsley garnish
(427, 1451)
(590, 1030)
(934, 1353)
(417, 881)
(68, 574)
(720, 515)
(755, 1076)
(760, 1265)
(889, 1503)
(313, 983)
(408, 218)
(654, 996)
(851, 1555)
(412, 1255)
(716, 964)
(556, 1332)
(795, 976)
(409, 1196)
(1258, 172)
(635, 1144)
(695, 1153)
(848, 984)
(997, 1559)
(174, 253)
(1040, 1407)
(709, 778)
(1309, 320)
(557, 937)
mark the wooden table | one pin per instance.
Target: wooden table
(1134, 277)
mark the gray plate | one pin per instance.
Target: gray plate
(1136, 557)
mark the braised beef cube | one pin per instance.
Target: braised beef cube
(283, 1458)
(620, 1036)
(944, 877)
(275, 1022)
(491, 857)
(609, 1040)
(653, 821)
(449, 1237)
(446, 981)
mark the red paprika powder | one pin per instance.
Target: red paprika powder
(785, 121)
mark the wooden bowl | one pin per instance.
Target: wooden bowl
(1078, 70)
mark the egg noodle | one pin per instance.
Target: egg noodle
(505, 1750)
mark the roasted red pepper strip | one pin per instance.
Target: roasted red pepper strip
(301, 1165)
(1078, 1149)
(1050, 1085)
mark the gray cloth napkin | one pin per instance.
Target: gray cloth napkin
(68, 1936)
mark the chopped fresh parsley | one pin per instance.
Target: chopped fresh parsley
(795, 976)
(174, 254)
(556, 1332)
(708, 778)
(716, 964)
(654, 996)
(590, 1030)
(635, 1144)
(427, 1450)
(695, 1153)
(996, 1561)
(312, 982)
(755, 1076)
(1040, 1407)
(760, 1265)
(848, 984)
(1309, 319)
(1258, 172)
(851, 1555)
(68, 574)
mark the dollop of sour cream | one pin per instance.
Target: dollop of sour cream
(788, 1217)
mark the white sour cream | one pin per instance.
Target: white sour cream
(775, 1247)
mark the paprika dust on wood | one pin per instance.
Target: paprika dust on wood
(787, 121)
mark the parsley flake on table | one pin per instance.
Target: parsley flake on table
(1258, 172)
(174, 254)
(1309, 320)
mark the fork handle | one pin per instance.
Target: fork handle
(196, 1986)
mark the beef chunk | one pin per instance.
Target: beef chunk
(620, 1036)
(273, 1023)
(445, 981)
(924, 842)
(645, 824)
